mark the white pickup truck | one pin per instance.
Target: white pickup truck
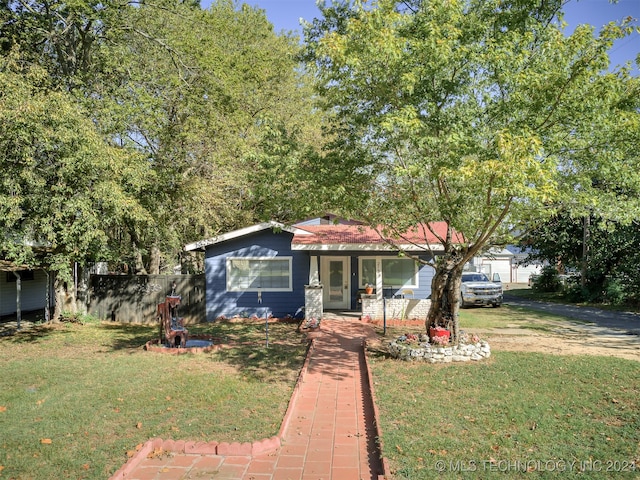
(477, 289)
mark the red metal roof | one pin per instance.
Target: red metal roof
(362, 235)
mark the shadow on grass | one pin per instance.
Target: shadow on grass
(130, 335)
(245, 347)
(28, 332)
(276, 363)
(248, 352)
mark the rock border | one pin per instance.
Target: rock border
(426, 352)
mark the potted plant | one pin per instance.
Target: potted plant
(368, 289)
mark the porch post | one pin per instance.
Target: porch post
(18, 298)
(314, 278)
(379, 292)
(313, 306)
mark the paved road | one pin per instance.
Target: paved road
(627, 321)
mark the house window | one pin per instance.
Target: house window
(399, 272)
(367, 271)
(396, 272)
(271, 274)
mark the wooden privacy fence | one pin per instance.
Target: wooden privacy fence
(135, 299)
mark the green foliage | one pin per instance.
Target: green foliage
(548, 281)
(485, 115)
(615, 292)
(76, 317)
(190, 97)
(64, 188)
(202, 93)
(611, 262)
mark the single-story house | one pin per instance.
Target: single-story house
(509, 262)
(266, 269)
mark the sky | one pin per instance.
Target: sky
(285, 15)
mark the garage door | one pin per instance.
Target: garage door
(499, 266)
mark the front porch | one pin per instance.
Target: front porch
(375, 285)
(371, 307)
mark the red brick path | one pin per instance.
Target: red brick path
(328, 434)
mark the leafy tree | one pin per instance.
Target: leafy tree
(203, 91)
(483, 114)
(63, 188)
(67, 39)
(206, 89)
(604, 252)
(197, 93)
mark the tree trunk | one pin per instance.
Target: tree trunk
(445, 296)
(59, 299)
(154, 261)
(64, 298)
(139, 267)
(584, 268)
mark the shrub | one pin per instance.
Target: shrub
(615, 291)
(548, 281)
(576, 293)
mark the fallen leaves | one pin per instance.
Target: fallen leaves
(157, 453)
(3, 408)
(437, 452)
(131, 453)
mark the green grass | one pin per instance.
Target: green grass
(531, 294)
(519, 410)
(564, 298)
(509, 317)
(94, 393)
(515, 407)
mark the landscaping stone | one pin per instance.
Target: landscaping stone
(410, 349)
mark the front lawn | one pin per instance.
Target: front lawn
(513, 415)
(76, 398)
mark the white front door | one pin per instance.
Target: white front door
(334, 273)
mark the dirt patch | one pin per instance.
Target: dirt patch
(565, 340)
(553, 338)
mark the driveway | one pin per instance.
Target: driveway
(628, 321)
(582, 331)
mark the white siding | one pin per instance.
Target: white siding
(33, 294)
(501, 266)
(522, 272)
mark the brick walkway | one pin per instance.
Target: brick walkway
(329, 433)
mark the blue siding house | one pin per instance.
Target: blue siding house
(263, 269)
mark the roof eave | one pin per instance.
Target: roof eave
(364, 247)
(201, 245)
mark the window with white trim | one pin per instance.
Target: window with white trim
(250, 274)
(397, 272)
